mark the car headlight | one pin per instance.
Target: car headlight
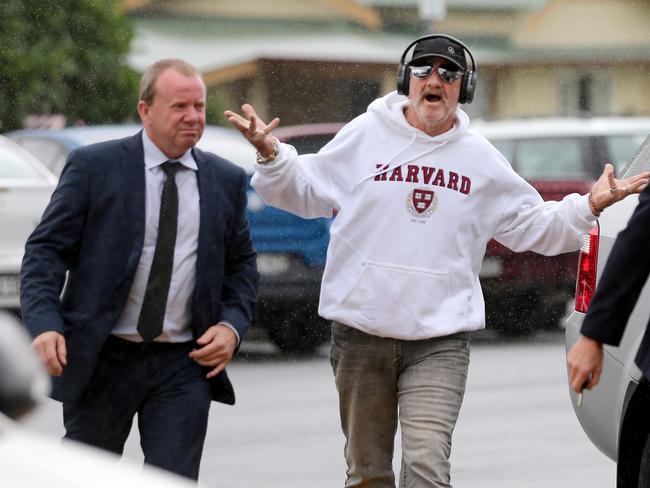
(9, 285)
(273, 263)
(491, 267)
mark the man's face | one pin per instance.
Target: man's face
(432, 102)
(175, 119)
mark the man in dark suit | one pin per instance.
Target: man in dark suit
(623, 278)
(161, 279)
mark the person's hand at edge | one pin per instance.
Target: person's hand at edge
(254, 129)
(585, 363)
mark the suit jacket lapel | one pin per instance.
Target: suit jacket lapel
(133, 169)
(206, 184)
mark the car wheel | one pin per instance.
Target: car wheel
(300, 330)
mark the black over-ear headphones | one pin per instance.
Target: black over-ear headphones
(468, 83)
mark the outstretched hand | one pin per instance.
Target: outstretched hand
(254, 129)
(608, 190)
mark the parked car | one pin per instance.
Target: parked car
(30, 460)
(291, 250)
(25, 189)
(607, 412)
(525, 291)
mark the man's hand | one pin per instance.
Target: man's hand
(50, 347)
(254, 129)
(218, 345)
(585, 363)
(608, 190)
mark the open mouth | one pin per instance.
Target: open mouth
(432, 98)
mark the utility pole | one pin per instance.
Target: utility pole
(432, 11)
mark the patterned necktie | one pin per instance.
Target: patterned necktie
(152, 314)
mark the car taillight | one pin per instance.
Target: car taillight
(587, 266)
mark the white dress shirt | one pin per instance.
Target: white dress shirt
(178, 314)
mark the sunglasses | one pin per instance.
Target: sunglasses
(448, 73)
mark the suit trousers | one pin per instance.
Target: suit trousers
(159, 382)
(381, 380)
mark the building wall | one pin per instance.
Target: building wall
(585, 23)
(630, 93)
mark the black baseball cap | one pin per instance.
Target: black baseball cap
(440, 47)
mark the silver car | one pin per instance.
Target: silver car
(25, 189)
(604, 412)
(52, 147)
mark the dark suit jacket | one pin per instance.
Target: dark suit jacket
(93, 229)
(621, 283)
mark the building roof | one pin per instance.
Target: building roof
(214, 44)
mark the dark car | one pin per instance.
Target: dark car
(289, 297)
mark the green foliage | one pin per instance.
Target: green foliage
(65, 57)
(217, 101)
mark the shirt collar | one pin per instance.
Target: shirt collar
(154, 157)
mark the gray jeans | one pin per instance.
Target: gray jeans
(380, 380)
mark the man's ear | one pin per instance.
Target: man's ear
(143, 111)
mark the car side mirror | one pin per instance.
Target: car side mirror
(23, 379)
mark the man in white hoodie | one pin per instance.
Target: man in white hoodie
(419, 196)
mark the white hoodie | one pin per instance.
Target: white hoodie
(415, 214)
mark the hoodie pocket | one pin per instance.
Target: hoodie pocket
(396, 301)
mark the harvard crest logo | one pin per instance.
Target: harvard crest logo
(421, 202)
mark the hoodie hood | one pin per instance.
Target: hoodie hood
(390, 108)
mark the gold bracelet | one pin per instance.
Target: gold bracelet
(594, 208)
(271, 157)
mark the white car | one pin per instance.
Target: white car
(25, 189)
(606, 412)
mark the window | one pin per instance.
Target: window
(622, 149)
(52, 154)
(309, 144)
(507, 148)
(14, 166)
(583, 93)
(545, 159)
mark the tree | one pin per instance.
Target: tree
(65, 57)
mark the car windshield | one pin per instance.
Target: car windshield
(545, 159)
(14, 166)
(310, 144)
(640, 159)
